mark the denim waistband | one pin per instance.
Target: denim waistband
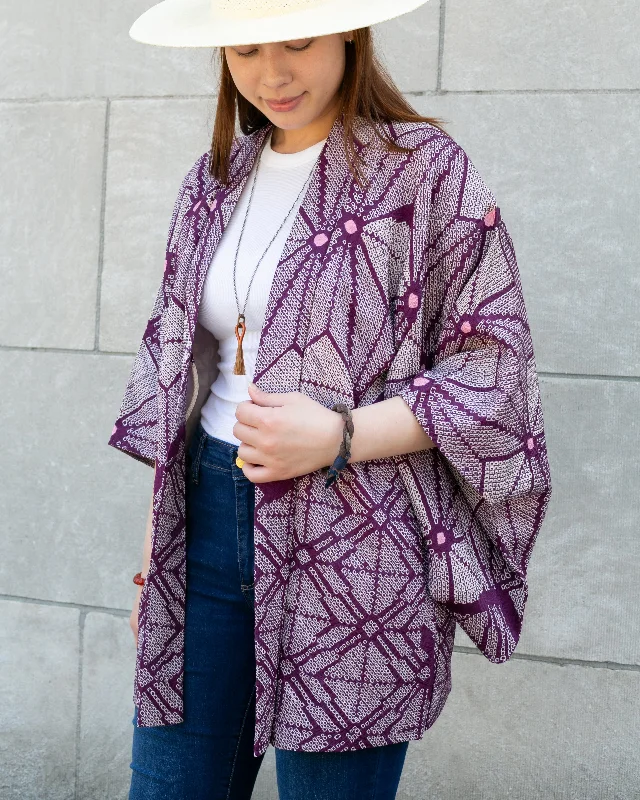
(210, 451)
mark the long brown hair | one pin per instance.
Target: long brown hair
(367, 90)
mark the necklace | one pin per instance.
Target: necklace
(240, 329)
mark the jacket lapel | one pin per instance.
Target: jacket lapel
(331, 188)
(214, 210)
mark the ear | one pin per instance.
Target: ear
(348, 36)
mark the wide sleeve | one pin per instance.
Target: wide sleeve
(478, 399)
(135, 431)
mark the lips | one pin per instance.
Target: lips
(285, 104)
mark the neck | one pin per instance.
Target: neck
(292, 141)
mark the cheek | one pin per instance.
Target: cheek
(335, 71)
(244, 84)
(326, 82)
(242, 76)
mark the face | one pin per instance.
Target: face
(304, 73)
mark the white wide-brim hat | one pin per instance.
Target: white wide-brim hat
(217, 23)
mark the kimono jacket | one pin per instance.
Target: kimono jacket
(405, 285)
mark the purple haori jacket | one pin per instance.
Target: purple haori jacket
(406, 286)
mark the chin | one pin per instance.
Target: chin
(287, 122)
(291, 125)
(291, 120)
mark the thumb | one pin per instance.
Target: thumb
(264, 398)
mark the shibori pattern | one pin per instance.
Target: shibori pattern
(406, 286)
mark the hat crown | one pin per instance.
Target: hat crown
(234, 9)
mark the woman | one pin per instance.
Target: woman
(313, 540)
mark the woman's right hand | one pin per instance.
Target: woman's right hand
(133, 619)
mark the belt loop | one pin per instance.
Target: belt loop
(195, 466)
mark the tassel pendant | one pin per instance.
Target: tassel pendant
(238, 368)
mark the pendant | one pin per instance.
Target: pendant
(238, 367)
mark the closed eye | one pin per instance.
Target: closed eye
(295, 49)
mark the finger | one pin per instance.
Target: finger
(246, 433)
(251, 455)
(248, 412)
(256, 473)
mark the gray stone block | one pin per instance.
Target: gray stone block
(266, 786)
(74, 509)
(566, 180)
(38, 700)
(70, 49)
(516, 44)
(408, 47)
(51, 177)
(527, 730)
(583, 585)
(106, 727)
(152, 146)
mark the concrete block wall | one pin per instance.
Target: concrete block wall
(96, 133)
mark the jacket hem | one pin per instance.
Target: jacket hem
(136, 454)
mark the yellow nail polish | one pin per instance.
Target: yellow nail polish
(239, 462)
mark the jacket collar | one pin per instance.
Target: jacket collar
(334, 157)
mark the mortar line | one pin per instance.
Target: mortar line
(443, 9)
(82, 607)
(498, 92)
(590, 376)
(560, 661)
(103, 205)
(81, 623)
(71, 350)
(35, 100)
(414, 92)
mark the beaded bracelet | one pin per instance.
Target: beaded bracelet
(345, 448)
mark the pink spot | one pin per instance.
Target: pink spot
(115, 428)
(490, 218)
(197, 205)
(412, 302)
(466, 327)
(166, 264)
(530, 443)
(420, 381)
(320, 239)
(213, 204)
(441, 537)
(350, 226)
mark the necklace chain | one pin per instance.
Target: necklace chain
(235, 260)
(240, 329)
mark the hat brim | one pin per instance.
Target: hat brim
(195, 23)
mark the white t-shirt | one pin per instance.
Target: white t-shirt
(281, 176)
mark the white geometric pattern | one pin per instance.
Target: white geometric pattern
(405, 286)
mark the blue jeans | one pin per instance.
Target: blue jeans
(209, 756)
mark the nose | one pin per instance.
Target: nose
(275, 72)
